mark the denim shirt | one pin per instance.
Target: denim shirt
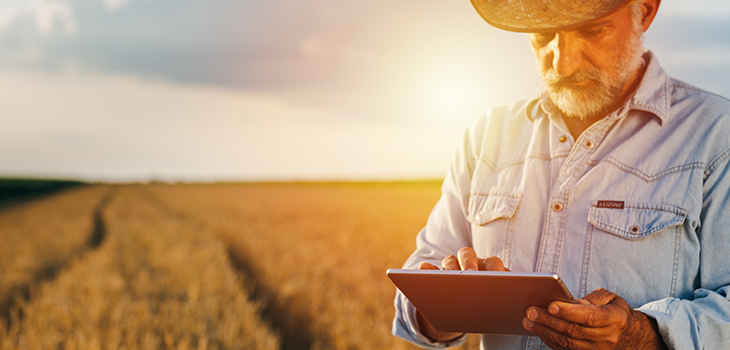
(639, 205)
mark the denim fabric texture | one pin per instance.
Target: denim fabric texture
(639, 205)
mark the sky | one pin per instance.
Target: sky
(277, 90)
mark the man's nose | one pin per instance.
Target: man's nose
(567, 53)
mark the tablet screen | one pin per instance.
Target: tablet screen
(478, 301)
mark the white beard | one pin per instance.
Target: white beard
(606, 87)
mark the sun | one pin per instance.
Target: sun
(450, 89)
(452, 94)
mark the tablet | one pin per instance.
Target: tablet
(478, 301)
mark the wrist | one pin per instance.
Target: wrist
(645, 332)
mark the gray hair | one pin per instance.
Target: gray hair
(636, 12)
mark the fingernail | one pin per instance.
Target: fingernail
(554, 309)
(527, 324)
(532, 314)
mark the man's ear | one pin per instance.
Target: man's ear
(648, 12)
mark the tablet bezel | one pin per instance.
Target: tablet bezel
(478, 301)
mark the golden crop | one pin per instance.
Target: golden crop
(39, 237)
(157, 281)
(230, 266)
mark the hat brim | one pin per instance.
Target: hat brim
(537, 17)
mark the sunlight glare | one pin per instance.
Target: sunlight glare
(452, 94)
(449, 86)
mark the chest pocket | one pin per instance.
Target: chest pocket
(484, 209)
(634, 251)
(492, 222)
(636, 221)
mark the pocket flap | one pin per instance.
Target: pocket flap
(485, 208)
(636, 221)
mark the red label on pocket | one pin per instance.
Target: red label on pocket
(611, 204)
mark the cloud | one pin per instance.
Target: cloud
(49, 16)
(317, 50)
(275, 88)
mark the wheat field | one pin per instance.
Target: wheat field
(224, 266)
(40, 237)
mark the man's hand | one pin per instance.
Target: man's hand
(600, 320)
(465, 259)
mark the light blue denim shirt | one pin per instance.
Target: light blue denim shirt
(639, 205)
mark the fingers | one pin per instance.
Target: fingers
(582, 301)
(450, 263)
(598, 320)
(468, 259)
(600, 297)
(492, 263)
(555, 339)
(600, 308)
(427, 266)
(556, 330)
(602, 331)
(588, 315)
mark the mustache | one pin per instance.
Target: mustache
(552, 79)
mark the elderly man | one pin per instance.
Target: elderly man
(613, 175)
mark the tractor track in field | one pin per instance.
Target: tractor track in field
(295, 331)
(12, 312)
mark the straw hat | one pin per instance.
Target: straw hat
(544, 15)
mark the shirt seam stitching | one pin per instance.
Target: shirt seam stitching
(712, 166)
(680, 84)
(672, 210)
(534, 155)
(629, 235)
(646, 177)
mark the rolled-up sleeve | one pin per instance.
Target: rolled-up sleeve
(704, 321)
(701, 323)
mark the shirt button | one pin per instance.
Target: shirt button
(635, 229)
(557, 206)
(563, 139)
(589, 144)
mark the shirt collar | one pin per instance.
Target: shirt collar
(652, 95)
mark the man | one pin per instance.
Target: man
(614, 176)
